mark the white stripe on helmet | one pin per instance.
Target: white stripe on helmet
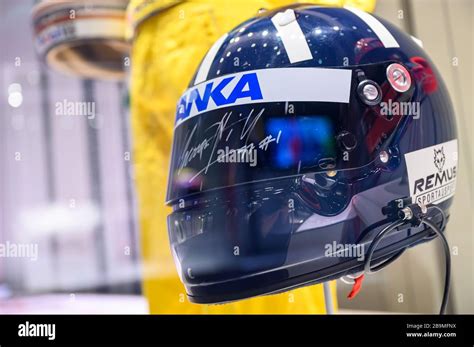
(203, 71)
(292, 36)
(270, 85)
(376, 26)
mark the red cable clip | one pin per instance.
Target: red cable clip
(356, 287)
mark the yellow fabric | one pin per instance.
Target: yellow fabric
(139, 10)
(166, 51)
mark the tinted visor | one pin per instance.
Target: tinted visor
(277, 123)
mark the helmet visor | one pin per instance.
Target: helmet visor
(276, 123)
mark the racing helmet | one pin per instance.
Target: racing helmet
(305, 132)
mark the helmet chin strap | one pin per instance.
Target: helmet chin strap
(400, 214)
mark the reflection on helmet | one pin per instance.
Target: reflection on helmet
(299, 127)
(424, 74)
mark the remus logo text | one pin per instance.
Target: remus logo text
(432, 172)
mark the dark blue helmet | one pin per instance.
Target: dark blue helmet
(304, 132)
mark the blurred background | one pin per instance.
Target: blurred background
(67, 185)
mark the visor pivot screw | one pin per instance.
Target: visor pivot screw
(369, 92)
(398, 77)
(347, 141)
(384, 157)
(331, 173)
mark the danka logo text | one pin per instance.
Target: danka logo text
(246, 87)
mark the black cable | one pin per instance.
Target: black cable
(447, 254)
(384, 262)
(441, 212)
(382, 222)
(443, 221)
(394, 225)
(375, 242)
(391, 259)
(370, 228)
(388, 261)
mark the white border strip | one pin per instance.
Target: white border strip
(203, 71)
(274, 85)
(378, 28)
(417, 40)
(292, 36)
